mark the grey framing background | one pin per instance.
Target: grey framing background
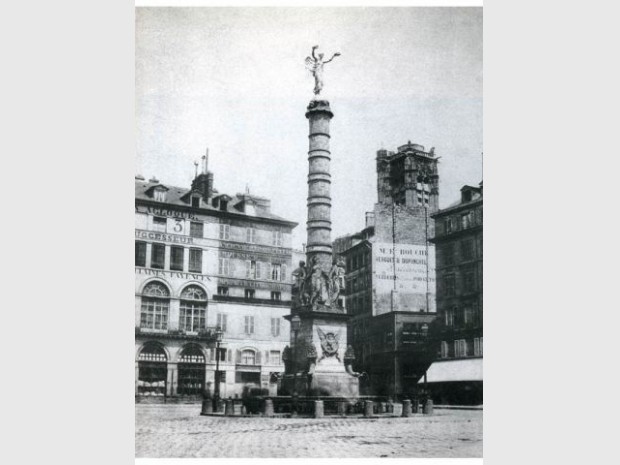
(551, 104)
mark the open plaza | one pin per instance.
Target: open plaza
(178, 430)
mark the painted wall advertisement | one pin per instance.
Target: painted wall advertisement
(403, 278)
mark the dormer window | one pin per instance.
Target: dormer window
(223, 205)
(195, 201)
(159, 195)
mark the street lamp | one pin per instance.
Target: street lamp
(216, 392)
(295, 323)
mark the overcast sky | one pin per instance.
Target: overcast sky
(234, 80)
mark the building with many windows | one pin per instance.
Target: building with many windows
(390, 274)
(456, 377)
(205, 260)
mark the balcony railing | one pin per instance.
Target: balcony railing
(237, 299)
(207, 334)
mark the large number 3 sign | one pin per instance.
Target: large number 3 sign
(178, 225)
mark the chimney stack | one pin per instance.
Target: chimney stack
(203, 182)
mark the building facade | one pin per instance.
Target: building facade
(390, 274)
(205, 260)
(456, 377)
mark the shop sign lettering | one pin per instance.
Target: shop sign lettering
(157, 236)
(172, 274)
(254, 248)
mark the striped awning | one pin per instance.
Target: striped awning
(446, 371)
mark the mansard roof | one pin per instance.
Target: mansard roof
(179, 196)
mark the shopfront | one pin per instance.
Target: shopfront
(152, 371)
(192, 372)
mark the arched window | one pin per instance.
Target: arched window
(155, 306)
(191, 371)
(152, 371)
(193, 314)
(248, 357)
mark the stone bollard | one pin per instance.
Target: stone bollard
(397, 409)
(229, 408)
(207, 407)
(318, 409)
(368, 408)
(342, 408)
(428, 407)
(406, 408)
(268, 408)
(415, 405)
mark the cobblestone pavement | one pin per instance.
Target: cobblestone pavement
(180, 431)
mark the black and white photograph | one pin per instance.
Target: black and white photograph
(310, 275)
(308, 232)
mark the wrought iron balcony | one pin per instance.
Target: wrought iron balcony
(205, 335)
(237, 299)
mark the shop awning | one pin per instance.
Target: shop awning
(446, 371)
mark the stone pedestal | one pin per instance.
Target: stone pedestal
(406, 408)
(207, 407)
(342, 408)
(320, 353)
(368, 408)
(268, 408)
(428, 407)
(228, 409)
(318, 409)
(397, 409)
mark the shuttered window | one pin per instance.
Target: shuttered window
(224, 231)
(249, 325)
(250, 269)
(277, 238)
(478, 346)
(224, 268)
(222, 320)
(460, 348)
(445, 349)
(250, 235)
